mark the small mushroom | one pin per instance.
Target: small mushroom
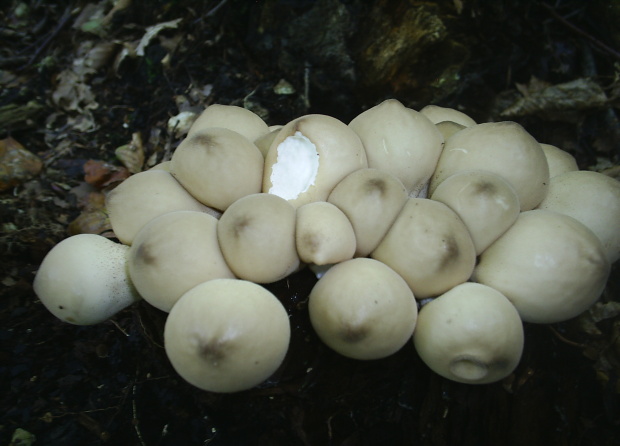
(400, 141)
(470, 334)
(218, 166)
(227, 335)
(83, 280)
(362, 309)
(173, 253)
(487, 204)
(438, 114)
(449, 128)
(237, 119)
(257, 237)
(323, 234)
(429, 246)
(503, 148)
(371, 199)
(144, 196)
(264, 142)
(549, 265)
(592, 198)
(309, 156)
(558, 160)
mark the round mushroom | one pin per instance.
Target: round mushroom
(470, 334)
(237, 119)
(438, 114)
(227, 335)
(362, 309)
(83, 280)
(558, 160)
(549, 265)
(173, 253)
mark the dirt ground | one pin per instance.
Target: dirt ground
(87, 92)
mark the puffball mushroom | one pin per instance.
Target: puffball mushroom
(549, 265)
(429, 246)
(470, 334)
(173, 253)
(558, 160)
(438, 114)
(400, 141)
(503, 148)
(323, 234)
(487, 204)
(237, 119)
(448, 128)
(371, 199)
(144, 196)
(227, 335)
(218, 166)
(257, 237)
(592, 198)
(83, 280)
(363, 309)
(309, 156)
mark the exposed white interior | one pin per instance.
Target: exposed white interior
(296, 167)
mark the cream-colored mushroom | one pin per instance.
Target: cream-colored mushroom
(264, 142)
(371, 199)
(439, 114)
(487, 204)
(257, 237)
(470, 334)
(227, 335)
(449, 128)
(558, 160)
(362, 309)
(592, 198)
(429, 246)
(400, 141)
(173, 253)
(237, 119)
(83, 280)
(309, 156)
(549, 265)
(504, 148)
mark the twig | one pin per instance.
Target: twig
(61, 24)
(612, 52)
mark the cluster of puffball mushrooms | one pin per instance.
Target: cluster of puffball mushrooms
(419, 225)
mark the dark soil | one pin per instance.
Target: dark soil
(112, 383)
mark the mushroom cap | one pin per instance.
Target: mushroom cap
(549, 265)
(438, 114)
(218, 166)
(504, 148)
(83, 280)
(144, 196)
(362, 309)
(237, 119)
(173, 253)
(449, 128)
(257, 237)
(558, 160)
(400, 141)
(429, 246)
(323, 234)
(592, 198)
(487, 204)
(309, 156)
(470, 334)
(227, 335)
(264, 142)
(371, 199)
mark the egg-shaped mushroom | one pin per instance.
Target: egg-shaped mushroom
(238, 119)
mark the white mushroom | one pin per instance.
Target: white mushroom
(439, 114)
(227, 335)
(558, 160)
(237, 119)
(470, 334)
(83, 280)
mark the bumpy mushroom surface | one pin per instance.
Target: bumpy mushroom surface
(83, 280)
(400, 141)
(470, 334)
(558, 160)
(592, 198)
(549, 265)
(227, 335)
(218, 166)
(237, 119)
(439, 114)
(309, 156)
(362, 309)
(487, 204)
(371, 199)
(173, 253)
(503, 148)
(257, 237)
(144, 196)
(429, 246)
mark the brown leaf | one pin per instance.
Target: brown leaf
(16, 164)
